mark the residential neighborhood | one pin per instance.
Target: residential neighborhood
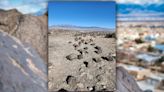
(141, 52)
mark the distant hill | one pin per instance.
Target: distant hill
(80, 28)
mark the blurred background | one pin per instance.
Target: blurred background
(140, 43)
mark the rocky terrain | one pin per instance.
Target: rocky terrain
(21, 68)
(23, 58)
(29, 29)
(81, 61)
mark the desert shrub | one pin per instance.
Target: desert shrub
(110, 35)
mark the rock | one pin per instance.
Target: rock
(86, 52)
(71, 57)
(125, 82)
(85, 63)
(21, 68)
(75, 46)
(69, 42)
(86, 43)
(80, 56)
(82, 40)
(85, 48)
(92, 44)
(29, 29)
(108, 58)
(79, 43)
(98, 50)
(96, 60)
(62, 90)
(91, 88)
(80, 51)
(71, 80)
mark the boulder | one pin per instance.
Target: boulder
(125, 82)
(29, 29)
(21, 68)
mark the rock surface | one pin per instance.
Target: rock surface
(29, 29)
(21, 68)
(125, 82)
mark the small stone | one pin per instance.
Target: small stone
(86, 43)
(91, 88)
(71, 80)
(80, 56)
(71, 57)
(96, 60)
(98, 51)
(80, 51)
(69, 42)
(85, 48)
(92, 44)
(86, 52)
(85, 63)
(108, 58)
(98, 48)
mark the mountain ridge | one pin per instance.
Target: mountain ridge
(80, 28)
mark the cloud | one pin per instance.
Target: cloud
(24, 6)
(141, 1)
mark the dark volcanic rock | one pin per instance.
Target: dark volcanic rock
(21, 68)
(27, 28)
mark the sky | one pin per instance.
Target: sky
(149, 10)
(24, 6)
(87, 14)
(126, 9)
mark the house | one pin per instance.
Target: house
(147, 59)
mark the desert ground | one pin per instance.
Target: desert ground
(81, 61)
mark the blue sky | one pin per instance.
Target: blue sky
(99, 14)
(151, 10)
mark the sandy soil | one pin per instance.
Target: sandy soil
(83, 62)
